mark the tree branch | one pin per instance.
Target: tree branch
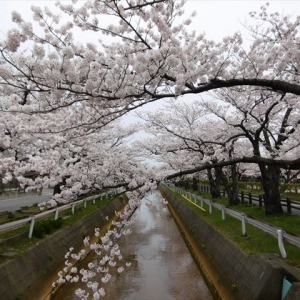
(291, 164)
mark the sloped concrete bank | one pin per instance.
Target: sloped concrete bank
(28, 277)
(245, 277)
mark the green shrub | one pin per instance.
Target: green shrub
(10, 216)
(57, 223)
(38, 230)
(46, 227)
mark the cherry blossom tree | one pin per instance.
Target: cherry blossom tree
(252, 126)
(59, 89)
(197, 136)
(61, 99)
(270, 124)
(153, 57)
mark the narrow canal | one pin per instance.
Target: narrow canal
(161, 267)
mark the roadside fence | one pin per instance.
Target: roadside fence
(256, 199)
(55, 211)
(279, 233)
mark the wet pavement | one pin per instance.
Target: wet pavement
(12, 201)
(162, 267)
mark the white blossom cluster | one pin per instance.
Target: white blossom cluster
(61, 99)
(107, 262)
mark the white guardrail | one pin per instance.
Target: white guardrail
(18, 223)
(279, 233)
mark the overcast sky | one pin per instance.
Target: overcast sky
(215, 18)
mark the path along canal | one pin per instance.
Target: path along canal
(162, 267)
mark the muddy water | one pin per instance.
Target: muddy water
(161, 268)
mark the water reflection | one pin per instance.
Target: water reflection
(161, 268)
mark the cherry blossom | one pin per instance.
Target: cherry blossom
(62, 101)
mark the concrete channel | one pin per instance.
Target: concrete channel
(162, 266)
(172, 255)
(246, 277)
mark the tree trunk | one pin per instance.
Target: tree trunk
(235, 186)
(195, 184)
(270, 176)
(57, 187)
(231, 189)
(214, 184)
(186, 184)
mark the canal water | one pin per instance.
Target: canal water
(162, 267)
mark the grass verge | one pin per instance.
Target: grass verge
(255, 241)
(66, 218)
(289, 223)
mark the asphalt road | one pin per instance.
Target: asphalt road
(15, 201)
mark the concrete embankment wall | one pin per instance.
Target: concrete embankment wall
(247, 277)
(24, 277)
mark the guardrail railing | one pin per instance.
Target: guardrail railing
(279, 233)
(18, 223)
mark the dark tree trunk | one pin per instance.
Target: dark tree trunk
(270, 176)
(214, 184)
(57, 187)
(195, 184)
(231, 189)
(181, 183)
(186, 185)
(235, 186)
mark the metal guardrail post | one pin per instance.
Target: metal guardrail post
(243, 225)
(73, 208)
(84, 204)
(94, 199)
(31, 227)
(280, 243)
(223, 212)
(56, 214)
(210, 207)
